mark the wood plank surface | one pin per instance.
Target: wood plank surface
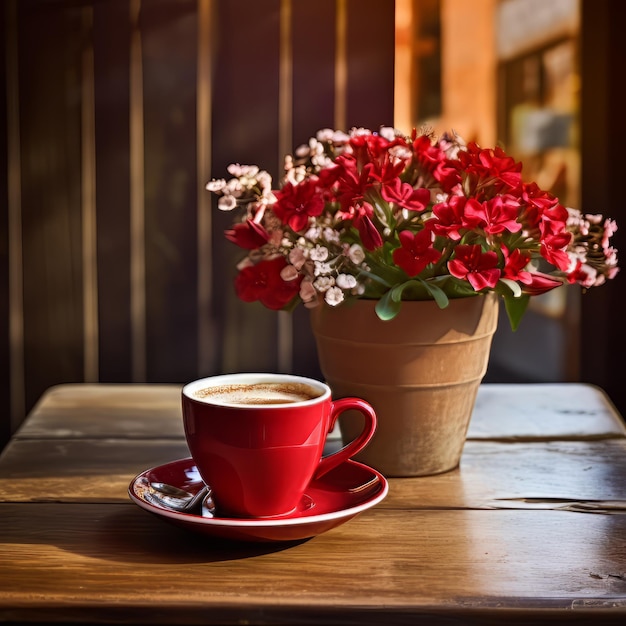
(106, 410)
(529, 529)
(565, 475)
(110, 557)
(545, 410)
(502, 411)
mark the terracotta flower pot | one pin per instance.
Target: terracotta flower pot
(420, 371)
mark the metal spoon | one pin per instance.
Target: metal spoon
(174, 498)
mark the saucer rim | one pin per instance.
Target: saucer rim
(288, 521)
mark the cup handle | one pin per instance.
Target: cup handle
(356, 445)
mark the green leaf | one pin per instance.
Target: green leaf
(438, 294)
(387, 308)
(515, 309)
(516, 290)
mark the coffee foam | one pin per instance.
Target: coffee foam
(259, 393)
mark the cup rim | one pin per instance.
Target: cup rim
(251, 378)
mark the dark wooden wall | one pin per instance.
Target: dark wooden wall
(113, 266)
(603, 137)
(112, 261)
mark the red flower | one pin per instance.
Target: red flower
(416, 251)
(515, 264)
(405, 195)
(553, 250)
(494, 216)
(489, 170)
(248, 235)
(351, 183)
(477, 267)
(540, 283)
(554, 220)
(537, 202)
(432, 159)
(263, 282)
(368, 232)
(451, 218)
(296, 203)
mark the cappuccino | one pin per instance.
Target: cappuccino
(258, 393)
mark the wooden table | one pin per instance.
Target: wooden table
(530, 529)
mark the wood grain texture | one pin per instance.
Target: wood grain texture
(106, 410)
(541, 411)
(564, 475)
(156, 286)
(107, 556)
(502, 411)
(528, 530)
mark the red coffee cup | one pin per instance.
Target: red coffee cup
(258, 439)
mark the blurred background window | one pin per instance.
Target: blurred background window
(504, 72)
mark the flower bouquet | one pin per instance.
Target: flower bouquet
(390, 217)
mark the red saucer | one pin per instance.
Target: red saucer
(328, 502)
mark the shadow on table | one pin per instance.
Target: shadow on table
(119, 533)
(135, 535)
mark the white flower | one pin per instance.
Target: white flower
(323, 283)
(319, 253)
(296, 174)
(234, 188)
(356, 254)
(313, 234)
(346, 281)
(248, 171)
(325, 134)
(334, 296)
(302, 151)
(360, 132)
(226, 203)
(340, 137)
(322, 269)
(387, 132)
(331, 235)
(216, 185)
(400, 152)
(265, 180)
(320, 161)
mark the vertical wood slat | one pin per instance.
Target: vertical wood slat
(370, 75)
(314, 64)
(285, 134)
(137, 201)
(15, 316)
(50, 155)
(88, 205)
(341, 66)
(170, 56)
(126, 273)
(603, 128)
(112, 137)
(245, 130)
(5, 340)
(207, 335)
